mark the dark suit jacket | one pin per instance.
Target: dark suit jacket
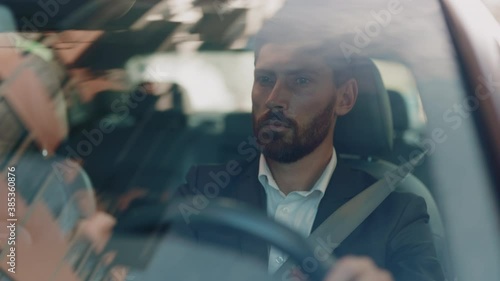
(396, 235)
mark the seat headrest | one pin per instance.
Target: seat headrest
(368, 129)
(400, 114)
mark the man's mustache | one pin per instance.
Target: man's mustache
(276, 118)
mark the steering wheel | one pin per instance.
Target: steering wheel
(233, 214)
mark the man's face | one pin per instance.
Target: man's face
(294, 101)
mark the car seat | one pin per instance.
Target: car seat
(366, 134)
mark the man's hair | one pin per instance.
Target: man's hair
(285, 30)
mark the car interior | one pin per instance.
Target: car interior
(105, 106)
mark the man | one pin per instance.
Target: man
(302, 85)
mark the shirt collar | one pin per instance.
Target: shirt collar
(267, 180)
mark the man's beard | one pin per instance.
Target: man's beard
(295, 143)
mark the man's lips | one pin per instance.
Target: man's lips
(276, 123)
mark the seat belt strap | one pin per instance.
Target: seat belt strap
(340, 224)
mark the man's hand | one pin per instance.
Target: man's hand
(98, 228)
(357, 269)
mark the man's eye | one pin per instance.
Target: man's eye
(264, 80)
(302, 81)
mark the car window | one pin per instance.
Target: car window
(111, 114)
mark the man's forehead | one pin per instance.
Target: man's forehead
(290, 56)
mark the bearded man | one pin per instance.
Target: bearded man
(302, 84)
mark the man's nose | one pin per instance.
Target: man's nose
(279, 96)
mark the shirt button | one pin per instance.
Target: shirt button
(280, 260)
(285, 210)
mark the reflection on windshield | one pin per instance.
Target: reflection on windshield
(203, 100)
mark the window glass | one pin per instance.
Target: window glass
(111, 119)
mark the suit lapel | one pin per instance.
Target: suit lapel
(248, 189)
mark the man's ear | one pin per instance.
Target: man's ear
(347, 95)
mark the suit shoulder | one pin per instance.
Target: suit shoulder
(402, 199)
(403, 208)
(398, 203)
(405, 201)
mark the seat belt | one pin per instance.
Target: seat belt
(340, 224)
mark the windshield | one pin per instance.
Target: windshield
(122, 123)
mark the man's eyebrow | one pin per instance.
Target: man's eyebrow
(262, 71)
(302, 71)
(289, 72)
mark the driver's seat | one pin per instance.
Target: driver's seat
(366, 133)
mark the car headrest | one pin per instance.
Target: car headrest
(368, 129)
(400, 114)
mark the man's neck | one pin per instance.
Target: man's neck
(302, 174)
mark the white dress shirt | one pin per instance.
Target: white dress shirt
(297, 209)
